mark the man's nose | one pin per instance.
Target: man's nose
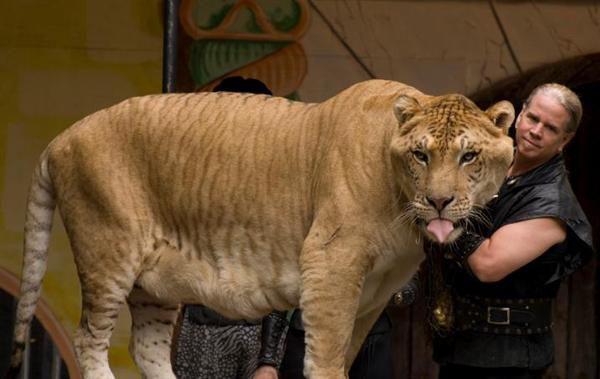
(537, 129)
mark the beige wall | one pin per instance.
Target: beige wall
(60, 60)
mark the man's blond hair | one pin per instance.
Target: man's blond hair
(566, 97)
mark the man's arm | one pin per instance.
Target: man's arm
(274, 327)
(513, 246)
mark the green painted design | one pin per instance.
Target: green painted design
(246, 23)
(293, 96)
(211, 59)
(283, 14)
(209, 14)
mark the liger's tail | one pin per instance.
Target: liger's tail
(38, 226)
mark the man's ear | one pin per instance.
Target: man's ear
(405, 108)
(566, 139)
(502, 115)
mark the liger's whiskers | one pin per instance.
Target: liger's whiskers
(406, 216)
(480, 216)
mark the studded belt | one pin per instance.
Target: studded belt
(503, 316)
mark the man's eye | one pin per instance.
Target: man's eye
(420, 156)
(468, 157)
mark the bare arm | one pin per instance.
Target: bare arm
(513, 246)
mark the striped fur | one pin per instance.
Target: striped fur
(38, 226)
(248, 203)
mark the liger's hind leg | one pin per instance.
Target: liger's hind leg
(100, 308)
(151, 334)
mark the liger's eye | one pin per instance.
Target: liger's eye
(420, 156)
(468, 157)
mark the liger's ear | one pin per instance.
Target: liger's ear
(405, 107)
(502, 115)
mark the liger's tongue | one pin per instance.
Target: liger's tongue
(440, 228)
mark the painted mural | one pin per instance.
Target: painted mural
(255, 39)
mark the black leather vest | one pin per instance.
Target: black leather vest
(542, 192)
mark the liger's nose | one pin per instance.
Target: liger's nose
(440, 203)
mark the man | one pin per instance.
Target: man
(504, 276)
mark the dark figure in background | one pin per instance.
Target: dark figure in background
(208, 345)
(493, 313)
(374, 360)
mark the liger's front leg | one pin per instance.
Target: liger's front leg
(333, 272)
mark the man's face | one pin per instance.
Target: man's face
(541, 130)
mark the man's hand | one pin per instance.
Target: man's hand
(265, 372)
